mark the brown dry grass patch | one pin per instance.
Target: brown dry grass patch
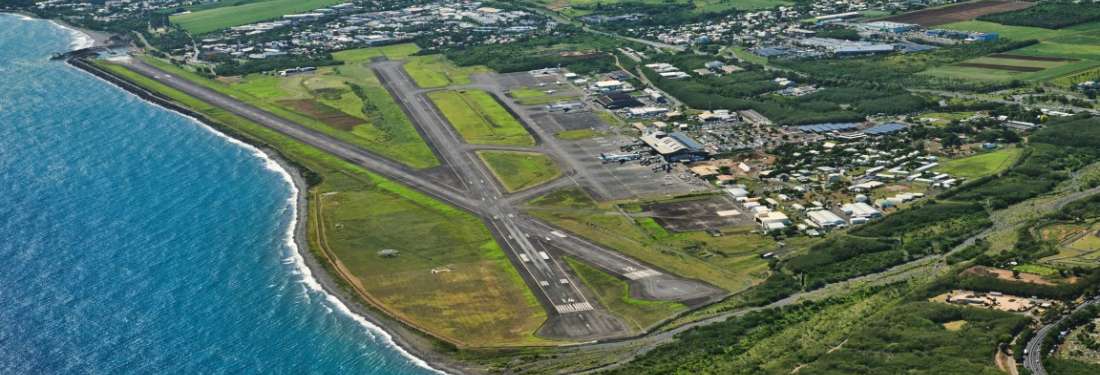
(330, 116)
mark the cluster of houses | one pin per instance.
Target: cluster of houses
(350, 25)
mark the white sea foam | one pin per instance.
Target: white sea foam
(296, 255)
(78, 39)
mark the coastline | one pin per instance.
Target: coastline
(409, 344)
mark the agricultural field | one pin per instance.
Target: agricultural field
(614, 294)
(981, 165)
(346, 102)
(213, 19)
(446, 276)
(1063, 57)
(480, 119)
(435, 71)
(731, 261)
(520, 170)
(959, 12)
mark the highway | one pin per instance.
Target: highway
(1033, 360)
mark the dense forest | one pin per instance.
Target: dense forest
(1051, 14)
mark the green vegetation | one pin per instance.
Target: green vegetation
(870, 331)
(1070, 367)
(731, 261)
(581, 53)
(1054, 14)
(911, 338)
(346, 102)
(449, 277)
(433, 71)
(520, 170)
(480, 119)
(614, 294)
(981, 165)
(842, 257)
(205, 21)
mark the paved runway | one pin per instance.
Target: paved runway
(534, 247)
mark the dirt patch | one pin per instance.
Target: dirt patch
(1010, 68)
(1030, 58)
(698, 215)
(1004, 274)
(960, 12)
(330, 116)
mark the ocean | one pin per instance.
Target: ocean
(135, 240)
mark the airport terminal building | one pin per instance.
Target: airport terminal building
(676, 147)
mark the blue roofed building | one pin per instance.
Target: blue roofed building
(676, 146)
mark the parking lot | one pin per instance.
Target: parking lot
(697, 215)
(630, 179)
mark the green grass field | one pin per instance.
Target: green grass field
(981, 165)
(213, 19)
(435, 71)
(480, 119)
(614, 294)
(528, 96)
(392, 52)
(383, 129)
(731, 261)
(520, 170)
(474, 296)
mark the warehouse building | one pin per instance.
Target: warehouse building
(825, 219)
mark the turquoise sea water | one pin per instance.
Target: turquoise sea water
(133, 240)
